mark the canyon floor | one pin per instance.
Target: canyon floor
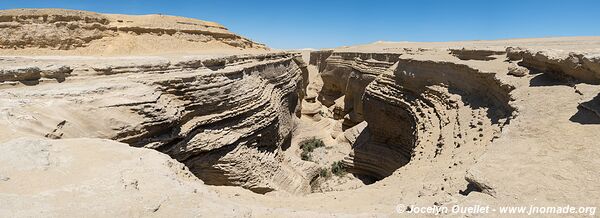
(155, 115)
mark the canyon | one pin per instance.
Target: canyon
(156, 115)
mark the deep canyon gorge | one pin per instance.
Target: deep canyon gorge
(143, 115)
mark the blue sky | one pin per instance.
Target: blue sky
(322, 23)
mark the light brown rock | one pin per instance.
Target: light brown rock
(413, 123)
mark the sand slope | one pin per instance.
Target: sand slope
(69, 32)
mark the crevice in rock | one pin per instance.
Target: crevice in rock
(241, 124)
(414, 110)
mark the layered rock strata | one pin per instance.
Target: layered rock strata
(414, 109)
(582, 67)
(227, 118)
(345, 76)
(499, 123)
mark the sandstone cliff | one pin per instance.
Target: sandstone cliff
(222, 116)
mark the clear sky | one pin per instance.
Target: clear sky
(323, 23)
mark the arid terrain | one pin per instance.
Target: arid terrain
(152, 115)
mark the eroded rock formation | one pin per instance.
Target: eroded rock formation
(438, 106)
(560, 64)
(493, 122)
(222, 123)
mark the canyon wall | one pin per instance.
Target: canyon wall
(188, 103)
(413, 109)
(226, 109)
(227, 118)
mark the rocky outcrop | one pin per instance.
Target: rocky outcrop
(592, 105)
(227, 118)
(68, 30)
(437, 106)
(34, 74)
(318, 58)
(584, 67)
(413, 109)
(346, 75)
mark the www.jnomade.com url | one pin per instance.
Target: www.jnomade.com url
(486, 209)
